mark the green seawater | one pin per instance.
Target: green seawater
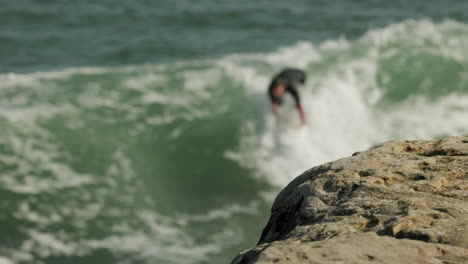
(141, 132)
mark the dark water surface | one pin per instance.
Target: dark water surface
(39, 35)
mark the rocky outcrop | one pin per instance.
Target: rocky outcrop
(398, 202)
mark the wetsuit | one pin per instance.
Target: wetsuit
(291, 78)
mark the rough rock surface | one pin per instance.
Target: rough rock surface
(398, 202)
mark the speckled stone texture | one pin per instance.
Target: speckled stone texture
(398, 202)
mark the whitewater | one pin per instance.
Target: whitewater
(179, 162)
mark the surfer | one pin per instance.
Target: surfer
(287, 81)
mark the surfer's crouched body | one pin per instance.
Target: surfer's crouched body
(287, 81)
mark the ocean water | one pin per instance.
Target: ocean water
(140, 132)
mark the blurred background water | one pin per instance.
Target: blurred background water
(140, 132)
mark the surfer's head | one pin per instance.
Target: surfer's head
(279, 88)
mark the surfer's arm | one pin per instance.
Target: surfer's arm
(274, 107)
(295, 95)
(301, 113)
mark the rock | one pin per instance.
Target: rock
(355, 248)
(398, 202)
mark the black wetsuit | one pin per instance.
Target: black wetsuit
(291, 78)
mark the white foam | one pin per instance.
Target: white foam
(201, 79)
(142, 82)
(4, 260)
(444, 38)
(157, 238)
(422, 118)
(299, 55)
(224, 213)
(46, 244)
(342, 108)
(162, 241)
(151, 97)
(37, 154)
